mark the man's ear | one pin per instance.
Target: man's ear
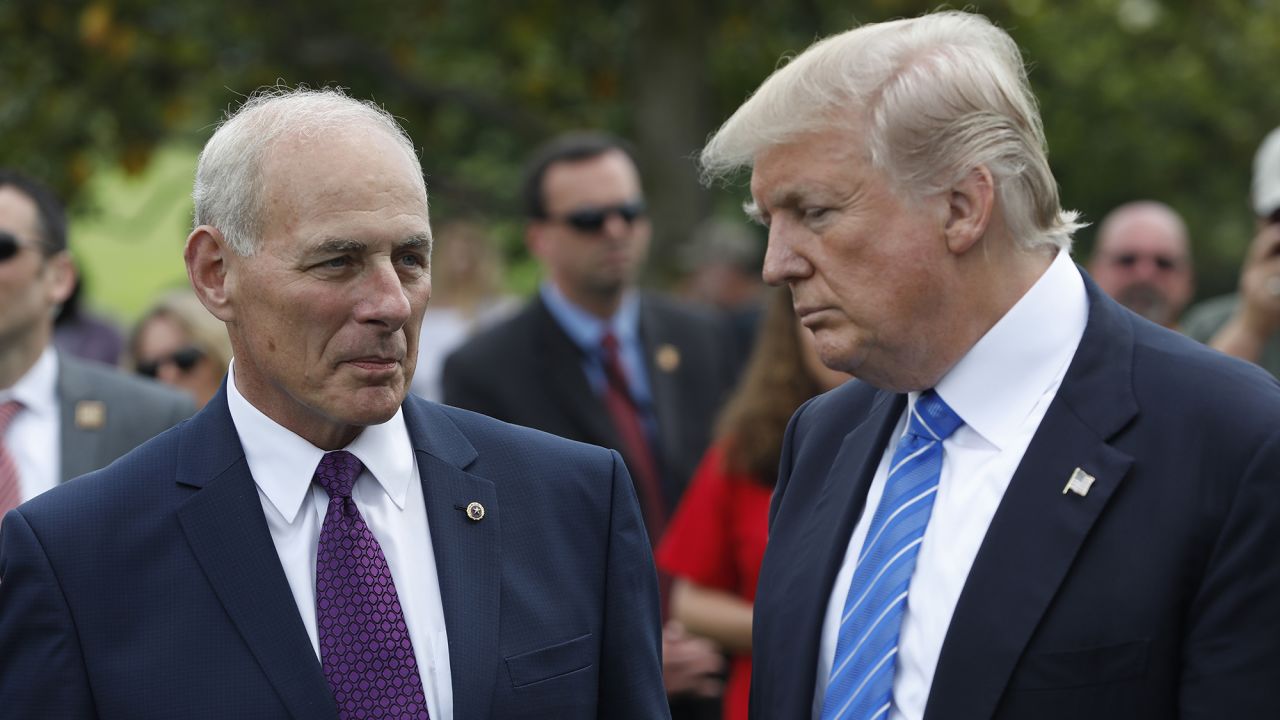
(970, 204)
(61, 275)
(534, 238)
(208, 265)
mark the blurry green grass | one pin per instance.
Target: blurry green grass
(128, 239)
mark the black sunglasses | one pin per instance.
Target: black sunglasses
(185, 359)
(592, 219)
(1128, 260)
(9, 245)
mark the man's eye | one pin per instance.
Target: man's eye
(336, 263)
(413, 260)
(815, 214)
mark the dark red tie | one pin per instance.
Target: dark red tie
(10, 488)
(635, 441)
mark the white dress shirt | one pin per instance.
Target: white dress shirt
(34, 435)
(1001, 389)
(389, 496)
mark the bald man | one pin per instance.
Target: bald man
(1143, 260)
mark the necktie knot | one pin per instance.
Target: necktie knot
(932, 418)
(609, 345)
(8, 410)
(337, 473)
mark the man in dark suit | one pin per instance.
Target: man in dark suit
(59, 417)
(312, 544)
(593, 359)
(1033, 503)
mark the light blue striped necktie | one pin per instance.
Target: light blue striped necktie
(861, 682)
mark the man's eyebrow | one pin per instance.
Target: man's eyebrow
(338, 245)
(421, 240)
(752, 209)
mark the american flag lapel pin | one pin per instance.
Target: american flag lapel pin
(1079, 483)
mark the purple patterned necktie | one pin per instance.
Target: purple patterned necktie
(365, 648)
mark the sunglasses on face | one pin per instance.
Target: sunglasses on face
(184, 359)
(1129, 260)
(10, 246)
(592, 219)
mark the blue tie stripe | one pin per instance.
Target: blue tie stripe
(861, 680)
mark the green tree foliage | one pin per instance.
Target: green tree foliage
(1141, 98)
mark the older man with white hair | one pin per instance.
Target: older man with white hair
(313, 543)
(1030, 504)
(1142, 259)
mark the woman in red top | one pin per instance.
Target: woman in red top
(715, 542)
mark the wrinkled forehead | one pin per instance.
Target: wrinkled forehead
(1145, 232)
(836, 152)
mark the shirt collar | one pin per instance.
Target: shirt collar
(37, 390)
(997, 384)
(585, 329)
(282, 463)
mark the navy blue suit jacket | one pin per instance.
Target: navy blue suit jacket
(152, 588)
(1156, 595)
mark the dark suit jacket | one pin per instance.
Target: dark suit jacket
(528, 371)
(132, 410)
(152, 589)
(1156, 595)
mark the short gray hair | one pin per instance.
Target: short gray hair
(937, 95)
(229, 183)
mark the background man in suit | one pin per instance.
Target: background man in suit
(1142, 259)
(1031, 503)
(591, 358)
(321, 545)
(59, 417)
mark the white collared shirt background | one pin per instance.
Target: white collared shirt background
(34, 435)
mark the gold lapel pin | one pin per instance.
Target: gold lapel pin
(475, 511)
(91, 414)
(667, 357)
(1079, 483)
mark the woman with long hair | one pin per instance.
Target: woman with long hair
(716, 539)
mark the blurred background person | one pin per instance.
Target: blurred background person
(466, 296)
(593, 358)
(722, 264)
(59, 416)
(79, 332)
(1246, 324)
(1142, 259)
(179, 343)
(716, 540)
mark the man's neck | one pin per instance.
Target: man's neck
(18, 359)
(602, 305)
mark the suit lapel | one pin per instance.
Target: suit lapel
(1037, 529)
(81, 444)
(466, 553)
(662, 363)
(810, 565)
(229, 537)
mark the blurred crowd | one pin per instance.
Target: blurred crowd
(694, 388)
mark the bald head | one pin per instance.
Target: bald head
(1143, 259)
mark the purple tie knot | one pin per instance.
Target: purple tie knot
(337, 473)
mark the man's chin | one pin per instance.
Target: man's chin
(373, 405)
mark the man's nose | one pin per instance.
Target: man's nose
(782, 264)
(616, 227)
(383, 297)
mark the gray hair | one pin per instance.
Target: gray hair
(229, 183)
(937, 95)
